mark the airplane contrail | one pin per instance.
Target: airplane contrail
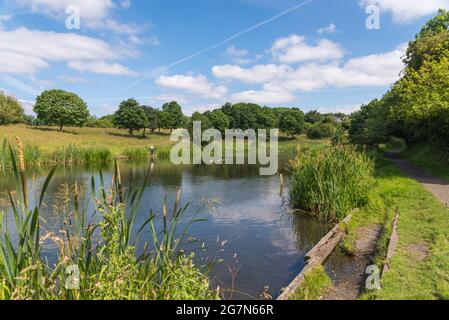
(256, 26)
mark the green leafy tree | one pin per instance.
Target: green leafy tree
(313, 117)
(10, 110)
(321, 131)
(431, 44)
(102, 122)
(369, 125)
(154, 118)
(130, 116)
(291, 122)
(420, 103)
(61, 108)
(172, 116)
(217, 119)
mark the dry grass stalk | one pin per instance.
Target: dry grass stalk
(22, 171)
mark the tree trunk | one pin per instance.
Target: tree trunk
(131, 131)
(60, 127)
(144, 131)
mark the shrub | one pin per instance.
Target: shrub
(331, 181)
(321, 131)
(10, 110)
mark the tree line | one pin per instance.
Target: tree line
(416, 108)
(60, 108)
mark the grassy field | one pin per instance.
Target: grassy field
(47, 145)
(50, 139)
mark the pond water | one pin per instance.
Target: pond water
(247, 220)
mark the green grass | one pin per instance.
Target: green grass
(330, 182)
(46, 146)
(316, 283)
(423, 221)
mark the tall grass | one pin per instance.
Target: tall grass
(331, 181)
(70, 154)
(74, 154)
(91, 269)
(143, 153)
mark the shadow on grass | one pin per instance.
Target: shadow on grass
(50, 129)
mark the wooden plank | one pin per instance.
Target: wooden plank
(324, 241)
(393, 243)
(316, 256)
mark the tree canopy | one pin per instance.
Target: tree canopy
(61, 108)
(10, 110)
(154, 118)
(172, 116)
(417, 106)
(291, 121)
(130, 116)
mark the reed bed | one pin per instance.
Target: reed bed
(89, 269)
(69, 155)
(331, 181)
(143, 153)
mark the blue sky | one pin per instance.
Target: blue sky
(315, 54)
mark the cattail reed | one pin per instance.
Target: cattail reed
(164, 210)
(119, 183)
(175, 207)
(22, 171)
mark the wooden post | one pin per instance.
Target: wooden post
(393, 242)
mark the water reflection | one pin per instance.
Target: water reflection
(248, 226)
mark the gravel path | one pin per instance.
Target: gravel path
(438, 187)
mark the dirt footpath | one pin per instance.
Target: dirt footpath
(438, 187)
(348, 273)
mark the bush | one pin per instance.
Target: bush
(321, 131)
(331, 182)
(10, 110)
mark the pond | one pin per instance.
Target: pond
(247, 220)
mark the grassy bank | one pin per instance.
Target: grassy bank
(46, 146)
(420, 267)
(315, 284)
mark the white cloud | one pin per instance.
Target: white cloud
(346, 109)
(239, 56)
(193, 84)
(95, 14)
(27, 106)
(3, 19)
(372, 70)
(294, 49)
(37, 49)
(73, 79)
(102, 67)
(19, 84)
(268, 95)
(92, 12)
(125, 4)
(411, 10)
(256, 74)
(331, 28)
(281, 82)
